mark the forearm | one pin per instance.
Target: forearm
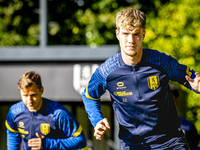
(13, 141)
(93, 109)
(67, 143)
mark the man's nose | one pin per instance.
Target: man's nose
(131, 38)
(29, 98)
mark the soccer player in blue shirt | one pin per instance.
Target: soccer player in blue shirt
(41, 123)
(137, 80)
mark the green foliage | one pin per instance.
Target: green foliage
(173, 27)
(92, 23)
(75, 22)
(175, 31)
(17, 27)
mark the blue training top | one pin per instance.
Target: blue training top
(141, 97)
(53, 120)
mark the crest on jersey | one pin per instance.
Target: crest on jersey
(153, 82)
(45, 128)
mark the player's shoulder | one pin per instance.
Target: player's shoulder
(50, 105)
(111, 64)
(112, 60)
(155, 57)
(53, 107)
(17, 108)
(152, 52)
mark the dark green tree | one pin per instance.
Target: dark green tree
(19, 22)
(89, 22)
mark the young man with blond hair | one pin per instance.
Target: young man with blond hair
(137, 79)
(41, 123)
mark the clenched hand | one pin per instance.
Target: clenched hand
(100, 128)
(36, 143)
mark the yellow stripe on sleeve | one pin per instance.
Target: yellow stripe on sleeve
(23, 131)
(188, 72)
(87, 94)
(78, 132)
(85, 148)
(12, 130)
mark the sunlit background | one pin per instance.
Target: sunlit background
(75, 36)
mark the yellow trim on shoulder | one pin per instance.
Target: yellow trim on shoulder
(23, 131)
(85, 148)
(88, 96)
(9, 128)
(78, 132)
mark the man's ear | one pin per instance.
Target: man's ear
(117, 33)
(42, 89)
(144, 32)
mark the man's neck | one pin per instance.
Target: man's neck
(131, 60)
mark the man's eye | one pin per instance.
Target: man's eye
(137, 34)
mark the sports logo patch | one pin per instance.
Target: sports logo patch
(45, 128)
(21, 125)
(153, 82)
(120, 85)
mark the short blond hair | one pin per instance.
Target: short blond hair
(28, 79)
(129, 18)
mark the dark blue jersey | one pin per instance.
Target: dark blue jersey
(142, 100)
(54, 121)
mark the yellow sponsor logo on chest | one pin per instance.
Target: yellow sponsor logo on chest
(122, 93)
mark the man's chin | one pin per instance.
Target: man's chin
(31, 108)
